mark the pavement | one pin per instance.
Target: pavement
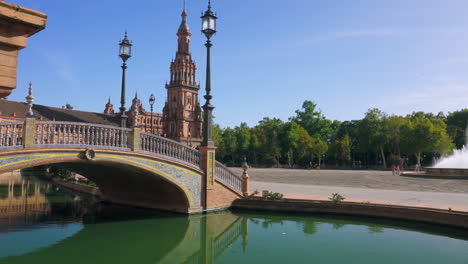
(380, 187)
(439, 200)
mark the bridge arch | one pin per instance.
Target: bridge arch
(123, 176)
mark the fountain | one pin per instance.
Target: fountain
(454, 165)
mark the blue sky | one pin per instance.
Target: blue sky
(268, 56)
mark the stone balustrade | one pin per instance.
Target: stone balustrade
(162, 146)
(227, 177)
(53, 134)
(11, 135)
(57, 134)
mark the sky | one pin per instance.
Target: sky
(269, 56)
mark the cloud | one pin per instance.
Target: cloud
(61, 65)
(349, 34)
(441, 95)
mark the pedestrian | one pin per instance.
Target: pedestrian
(393, 169)
(418, 167)
(398, 170)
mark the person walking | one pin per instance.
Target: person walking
(398, 170)
(393, 169)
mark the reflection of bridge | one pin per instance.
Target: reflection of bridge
(195, 239)
(208, 239)
(129, 166)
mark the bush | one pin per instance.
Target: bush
(272, 196)
(336, 198)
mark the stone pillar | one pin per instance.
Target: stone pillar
(135, 138)
(16, 25)
(245, 183)
(28, 132)
(208, 155)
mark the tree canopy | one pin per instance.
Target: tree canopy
(376, 140)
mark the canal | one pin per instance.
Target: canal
(41, 223)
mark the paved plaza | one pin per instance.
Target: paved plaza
(362, 186)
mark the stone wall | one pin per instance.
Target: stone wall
(427, 215)
(220, 197)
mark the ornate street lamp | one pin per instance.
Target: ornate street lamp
(209, 29)
(125, 52)
(245, 177)
(152, 99)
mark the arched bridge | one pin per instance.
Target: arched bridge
(129, 166)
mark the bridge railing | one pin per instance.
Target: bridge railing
(169, 148)
(51, 133)
(11, 135)
(227, 238)
(227, 177)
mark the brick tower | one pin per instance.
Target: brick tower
(182, 116)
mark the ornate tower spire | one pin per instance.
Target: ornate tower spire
(109, 110)
(181, 113)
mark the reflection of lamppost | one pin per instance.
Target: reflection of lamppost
(151, 102)
(125, 52)
(209, 29)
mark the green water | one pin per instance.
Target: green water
(83, 231)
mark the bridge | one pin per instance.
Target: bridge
(129, 166)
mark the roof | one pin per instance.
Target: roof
(18, 110)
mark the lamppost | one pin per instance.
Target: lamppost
(209, 29)
(125, 52)
(30, 100)
(245, 177)
(152, 99)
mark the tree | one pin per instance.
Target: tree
(420, 135)
(456, 127)
(254, 146)
(344, 147)
(394, 124)
(313, 121)
(319, 148)
(230, 144)
(268, 137)
(68, 106)
(242, 133)
(374, 132)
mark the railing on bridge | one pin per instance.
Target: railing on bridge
(73, 134)
(166, 147)
(11, 135)
(227, 238)
(227, 177)
(50, 134)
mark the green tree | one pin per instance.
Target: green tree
(230, 145)
(318, 148)
(268, 137)
(243, 136)
(254, 146)
(67, 106)
(313, 121)
(374, 132)
(422, 134)
(345, 149)
(456, 127)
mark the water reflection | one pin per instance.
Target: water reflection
(71, 229)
